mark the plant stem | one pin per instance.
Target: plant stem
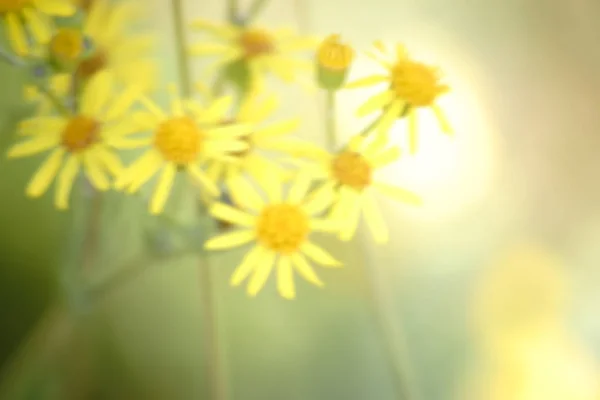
(255, 9)
(383, 321)
(215, 379)
(185, 81)
(54, 99)
(233, 9)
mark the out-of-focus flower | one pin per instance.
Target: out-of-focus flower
(349, 175)
(82, 141)
(263, 137)
(59, 84)
(333, 60)
(251, 53)
(113, 45)
(410, 85)
(280, 229)
(182, 139)
(34, 16)
(523, 290)
(66, 48)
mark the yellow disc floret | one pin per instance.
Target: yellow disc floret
(80, 133)
(352, 169)
(179, 140)
(256, 42)
(417, 83)
(12, 5)
(282, 228)
(334, 55)
(67, 44)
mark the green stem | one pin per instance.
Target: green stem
(255, 8)
(185, 81)
(331, 130)
(233, 9)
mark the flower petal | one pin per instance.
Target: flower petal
(250, 261)
(413, 131)
(64, 182)
(33, 146)
(285, 278)
(277, 129)
(367, 81)
(299, 188)
(376, 103)
(374, 219)
(261, 273)
(306, 270)
(95, 172)
(45, 174)
(58, 8)
(243, 193)
(16, 34)
(203, 179)
(163, 189)
(398, 194)
(39, 26)
(318, 255)
(227, 213)
(230, 240)
(389, 117)
(97, 93)
(442, 119)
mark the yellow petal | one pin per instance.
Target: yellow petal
(16, 34)
(320, 199)
(386, 157)
(348, 212)
(97, 93)
(64, 182)
(230, 131)
(227, 213)
(257, 111)
(122, 103)
(278, 128)
(153, 108)
(318, 255)
(140, 171)
(413, 131)
(378, 142)
(271, 184)
(398, 194)
(95, 22)
(250, 260)
(125, 143)
(442, 120)
(376, 103)
(261, 273)
(374, 219)
(95, 172)
(58, 8)
(163, 189)
(243, 193)
(110, 161)
(39, 26)
(202, 178)
(45, 174)
(368, 81)
(401, 52)
(36, 145)
(285, 278)
(299, 188)
(324, 225)
(305, 270)
(222, 30)
(215, 113)
(176, 103)
(389, 117)
(229, 240)
(208, 49)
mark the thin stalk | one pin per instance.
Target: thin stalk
(387, 335)
(185, 80)
(215, 379)
(233, 7)
(255, 8)
(54, 99)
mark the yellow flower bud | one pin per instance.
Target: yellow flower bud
(333, 60)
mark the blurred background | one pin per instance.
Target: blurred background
(490, 289)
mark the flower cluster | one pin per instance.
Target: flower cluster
(93, 83)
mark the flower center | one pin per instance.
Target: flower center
(67, 44)
(334, 55)
(351, 169)
(282, 228)
(256, 42)
(179, 140)
(416, 83)
(80, 133)
(12, 5)
(93, 64)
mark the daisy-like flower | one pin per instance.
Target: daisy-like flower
(264, 137)
(37, 17)
(411, 85)
(349, 175)
(82, 141)
(257, 51)
(107, 31)
(182, 139)
(280, 229)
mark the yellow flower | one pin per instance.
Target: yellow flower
(259, 51)
(182, 140)
(273, 137)
(280, 229)
(59, 84)
(410, 85)
(108, 28)
(84, 140)
(37, 16)
(349, 175)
